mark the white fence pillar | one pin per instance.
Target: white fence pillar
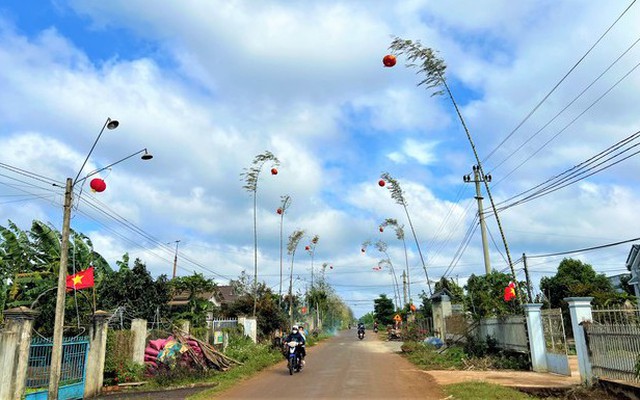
(580, 309)
(250, 327)
(139, 330)
(537, 345)
(441, 310)
(97, 354)
(15, 341)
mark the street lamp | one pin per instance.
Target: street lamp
(56, 352)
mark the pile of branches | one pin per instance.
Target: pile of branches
(208, 358)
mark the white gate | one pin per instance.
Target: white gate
(556, 341)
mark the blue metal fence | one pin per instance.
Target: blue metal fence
(72, 372)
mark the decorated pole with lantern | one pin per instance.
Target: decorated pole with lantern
(294, 239)
(281, 211)
(250, 176)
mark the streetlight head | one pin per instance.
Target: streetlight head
(146, 156)
(112, 124)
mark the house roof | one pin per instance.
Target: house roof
(227, 294)
(182, 298)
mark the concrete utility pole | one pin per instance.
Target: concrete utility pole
(526, 274)
(404, 287)
(56, 350)
(175, 260)
(477, 178)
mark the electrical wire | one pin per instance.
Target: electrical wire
(559, 82)
(563, 110)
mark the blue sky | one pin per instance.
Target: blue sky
(208, 85)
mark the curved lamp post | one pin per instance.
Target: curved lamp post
(433, 68)
(56, 352)
(251, 176)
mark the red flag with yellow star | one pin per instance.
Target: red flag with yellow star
(81, 280)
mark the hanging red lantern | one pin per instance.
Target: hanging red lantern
(98, 185)
(381, 229)
(274, 171)
(389, 60)
(307, 248)
(381, 182)
(279, 211)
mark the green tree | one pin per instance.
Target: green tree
(269, 315)
(577, 279)
(383, 309)
(485, 295)
(454, 291)
(136, 290)
(197, 308)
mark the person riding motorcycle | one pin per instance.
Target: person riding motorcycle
(295, 336)
(375, 326)
(360, 328)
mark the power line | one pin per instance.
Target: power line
(562, 253)
(559, 83)
(564, 109)
(545, 144)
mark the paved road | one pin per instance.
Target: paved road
(343, 368)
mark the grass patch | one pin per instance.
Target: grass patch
(485, 391)
(427, 357)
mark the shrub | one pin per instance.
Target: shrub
(475, 347)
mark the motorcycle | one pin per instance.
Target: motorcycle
(375, 329)
(361, 334)
(294, 361)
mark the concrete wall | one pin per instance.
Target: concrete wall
(509, 332)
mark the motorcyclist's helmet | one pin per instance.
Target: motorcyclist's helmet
(294, 329)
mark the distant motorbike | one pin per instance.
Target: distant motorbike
(375, 329)
(361, 334)
(293, 355)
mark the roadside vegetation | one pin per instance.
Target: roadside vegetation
(486, 391)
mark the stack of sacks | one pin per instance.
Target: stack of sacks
(152, 351)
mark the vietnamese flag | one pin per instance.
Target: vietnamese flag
(510, 292)
(81, 280)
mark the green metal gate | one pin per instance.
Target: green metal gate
(72, 372)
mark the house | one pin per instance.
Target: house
(221, 295)
(616, 281)
(633, 265)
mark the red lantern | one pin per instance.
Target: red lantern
(381, 182)
(304, 310)
(274, 171)
(98, 185)
(381, 229)
(307, 248)
(389, 60)
(279, 211)
(412, 307)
